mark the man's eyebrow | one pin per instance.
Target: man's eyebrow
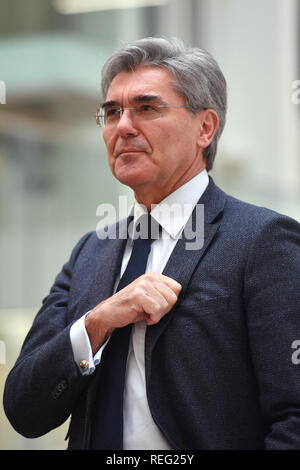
(147, 98)
(137, 99)
(106, 104)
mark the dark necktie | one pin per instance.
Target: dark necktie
(107, 429)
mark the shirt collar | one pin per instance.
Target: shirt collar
(173, 212)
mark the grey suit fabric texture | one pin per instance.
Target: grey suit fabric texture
(219, 368)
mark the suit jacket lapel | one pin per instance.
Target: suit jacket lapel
(109, 262)
(183, 262)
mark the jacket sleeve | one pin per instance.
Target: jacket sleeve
(272, 289)
(44, 384)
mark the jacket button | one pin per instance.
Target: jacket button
(84, 364)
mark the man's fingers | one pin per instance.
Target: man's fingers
(155, 295)
(150, 297)
(171, 283)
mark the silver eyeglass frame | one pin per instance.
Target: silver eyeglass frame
(100, 116)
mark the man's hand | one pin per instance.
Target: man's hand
(149, 297)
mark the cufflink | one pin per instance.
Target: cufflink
(84, 365)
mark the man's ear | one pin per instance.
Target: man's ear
(209, 123)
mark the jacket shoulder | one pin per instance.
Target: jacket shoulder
(250, 214)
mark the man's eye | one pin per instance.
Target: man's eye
(112, 112)
(144, 108)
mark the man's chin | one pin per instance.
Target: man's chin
(131, 175)
(131, 179)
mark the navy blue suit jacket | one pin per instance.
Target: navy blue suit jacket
(219, 368)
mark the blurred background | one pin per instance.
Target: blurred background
(53, 169)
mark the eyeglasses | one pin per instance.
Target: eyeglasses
(111, 115)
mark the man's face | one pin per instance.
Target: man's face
(157, 156)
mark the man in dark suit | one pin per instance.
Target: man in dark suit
(209, 364)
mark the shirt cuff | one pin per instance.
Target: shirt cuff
(82, 350)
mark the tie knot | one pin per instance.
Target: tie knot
(147, 228)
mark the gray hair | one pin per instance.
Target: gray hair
(197, 76)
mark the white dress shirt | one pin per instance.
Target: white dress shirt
(140, 431)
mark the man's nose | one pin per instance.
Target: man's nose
(126, 125)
